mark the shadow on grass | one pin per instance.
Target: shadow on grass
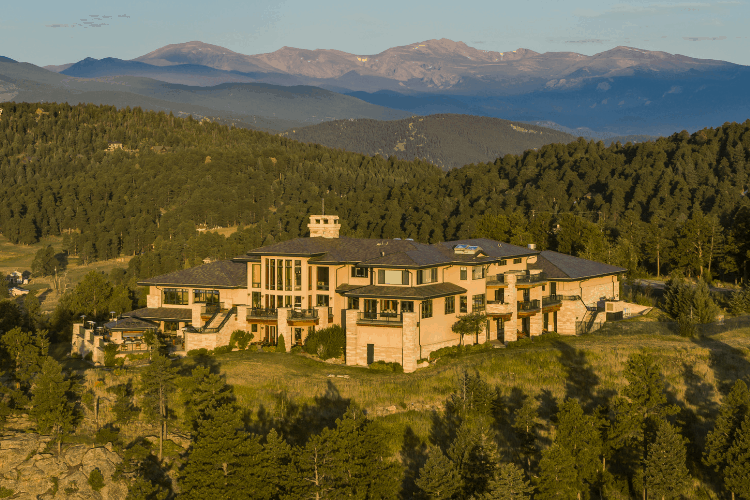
(581, 381)
(413, 457)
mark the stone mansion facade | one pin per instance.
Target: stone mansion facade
(397, 299)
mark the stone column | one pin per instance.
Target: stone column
(351, 336)
(409, 342)
(511, 298)
(322, 317)
(283, 327)
(536, 322)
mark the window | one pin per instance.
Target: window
(477, 272)
(171, 326)
(288, 276)
(309, 277)
(360, 272)
(298, 302)
(463, 304)
(280, 275)
(272, 280)
(266, 271)
(175, 296)
(288, 301)
(500, 295)
(407, 306)
(464, 274)
(425, 276)
(322, 301)
(206, 296)
(517, 261)
(371, 309)
(450, 305)
(392, 277)
(254, 328)
(322, 278)
(256, 300)
(272, 304)
(503, 262)
(389, 308)
(427, 308)
(477, 303)
(298, 275)
(353, 303)
(256, 276)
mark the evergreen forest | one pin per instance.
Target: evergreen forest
(677, 202)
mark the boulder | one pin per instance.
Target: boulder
(74, 454)
(102, 459)
(32, 480)
(50, 465)
(16, 448)
(114, 491)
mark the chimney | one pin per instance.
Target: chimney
(324, 226)
(532, 246)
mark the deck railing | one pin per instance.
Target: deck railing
(375, 317)
(528, 305)
(264, 313)
(531, 278)
(303, 314)
(551, 300)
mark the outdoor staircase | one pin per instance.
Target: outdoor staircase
(218, 320)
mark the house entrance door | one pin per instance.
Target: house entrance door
(370, 354)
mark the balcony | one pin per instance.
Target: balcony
(552, 300)
(496, 280)
(499, 308)
(303, 315)
(210, 309)
(385, 318)
(530, 279)
(262, 313)
(528, 307)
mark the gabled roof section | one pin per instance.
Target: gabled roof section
(493, 249)
(566, 267)
(131, 324)
(161, 313)
(219, 274)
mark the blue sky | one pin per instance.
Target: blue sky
(53, 32)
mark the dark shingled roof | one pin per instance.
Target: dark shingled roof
(128, 323)
(219, 274)
(161, 313)
(390, 253)
(407, 292)
(566, 267)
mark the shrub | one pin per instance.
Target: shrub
(198, 352)
(5, 492)
(457, 351)
(222, 349)
(326, 343)
(110, 354)
(240, 339)
(96, 480)
(387, 367)
(296, 349)
(134, 356)
(89, 356)
(75, 355)
(281, 346)
(107, 434)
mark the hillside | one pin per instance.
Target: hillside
(679, 202)
(448, 141)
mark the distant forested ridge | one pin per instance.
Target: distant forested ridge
(447, 140)
(680, 201)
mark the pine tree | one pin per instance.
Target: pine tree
(276, 473)
(580, 435)
(737, 472)
(52, 402)
(123, 408)
(525, 424)
(439, 479)
(143, 489)
(224, 460)
(475, 455)
(557, 475)
(157, 387)
(202, 393)
(27, 352)
(509, 484)
(734, 408)
(666, 474)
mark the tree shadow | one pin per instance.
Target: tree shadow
(442, 430)
(728, 363)
(581, 380)
(300, 423)
(413, 457)
(547, 410)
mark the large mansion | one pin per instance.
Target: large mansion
(396, 299)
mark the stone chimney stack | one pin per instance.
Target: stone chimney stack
(324, 226)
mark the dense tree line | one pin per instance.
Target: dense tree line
(678, 202)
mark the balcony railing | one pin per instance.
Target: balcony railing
(212, 308)
(531, 278)
(302, 314)
(322, 285)
(528, 305)
(262, 313)
(496, 279)
(383, 317)
(551, 300)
